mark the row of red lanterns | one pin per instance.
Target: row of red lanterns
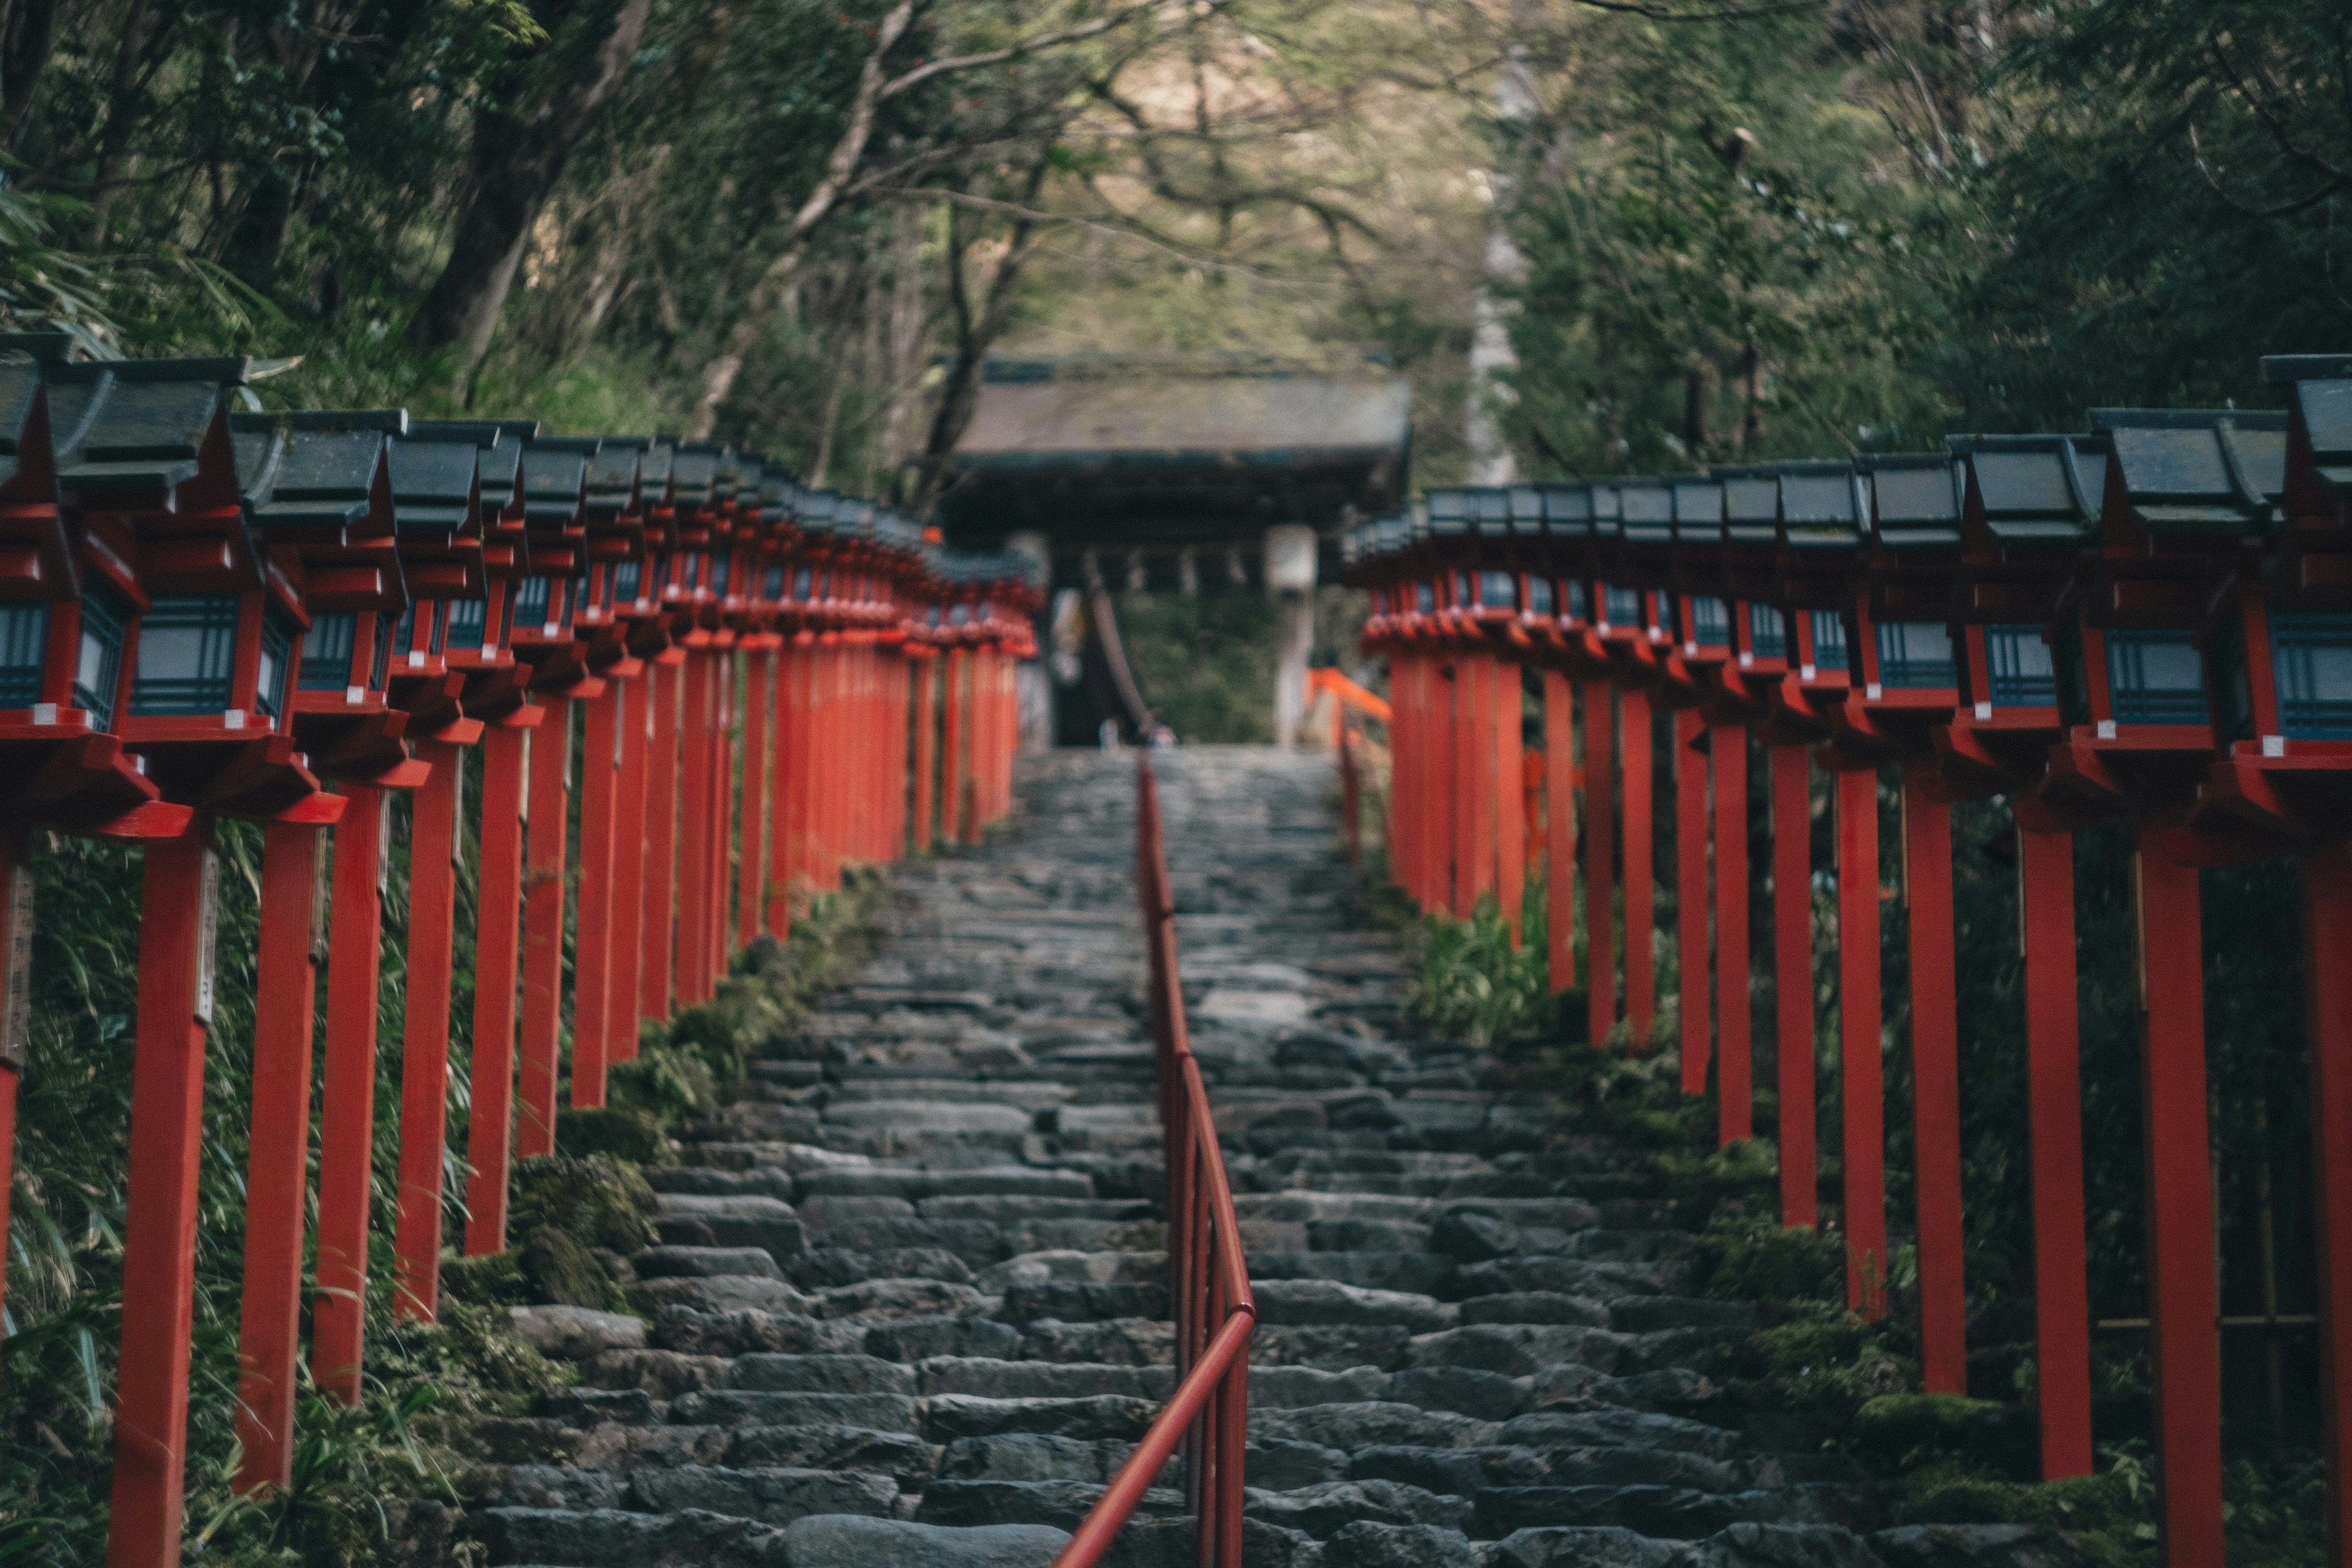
(2150, 622)
(285, 618)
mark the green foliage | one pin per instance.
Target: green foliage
(1472, 983)
(1205, 664)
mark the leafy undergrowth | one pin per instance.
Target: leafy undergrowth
(379, 1483)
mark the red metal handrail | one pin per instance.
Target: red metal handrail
(1209, 1413)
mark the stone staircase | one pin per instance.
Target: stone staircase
(911, 1308)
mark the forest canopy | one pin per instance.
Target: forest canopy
(1706, 228)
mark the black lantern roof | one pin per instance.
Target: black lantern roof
(2035, 491)
(1916, 501)
(2192, 472)
(1698, 510)
(1527, 508)
(693, 472)
(1490, 512)
(136, 426)
(612, 481)
(816, 511)
(1567, 511)
(1824, 507)
(555, 480)
(1449, 513)
(778, 495)
(1645, 511)
(2319, 464)
(1751, 506)
(436, 483)
(312, 472)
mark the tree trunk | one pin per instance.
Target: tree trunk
(519, 155)
(26, 27)
(975, 335)
(114, 145)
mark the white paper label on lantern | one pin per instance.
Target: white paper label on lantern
(1873, 691)
(416, 659)
(1804, 672)
(207, 931)
(2106, 729)
(17, 971)
(1746, 661)
(354, 695)
(45, 712)
(2274, 745)
(1690, 649)
(1984, 709)
(233, 720)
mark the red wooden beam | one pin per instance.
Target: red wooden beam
(543, 932)
(1506, 792)
(159, 1251)
(2327, 979)
(1792, 983)
(347, 1114)
(1861, 1071)
(2054, 1133)
(1637, 755)
(2183, 1299)
(592, 939)
(1735, 1093)
(783, 795)
(1476, 688)
(425, 1033)
(625, 949)
(497, 914)
(720, 817)
(951, 750)
(694, 828)
(277, 1177)
(1690, 899)
(1600, 870)
(656, 974)
(751, 867)
(1559, 828)
(1935, 1085)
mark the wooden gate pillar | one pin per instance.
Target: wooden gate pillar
(2327, 979)
(1734, 1092)
(1692, 1022)
(1934, 1085)
(656, 973)
(1559, 828)
(592, 966)
(1504, 794)
(489, 1120)
(549, 799)
(1600, 870)
(1793, 983)
(1636, 759)
(2054, 1133)
(2183, 1295)
(425, 1031)
(626, 947)
(159, 1252)
(1861, 1070)
(347, 1115)
(278, 1159)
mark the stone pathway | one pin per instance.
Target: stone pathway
(910, 1308)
